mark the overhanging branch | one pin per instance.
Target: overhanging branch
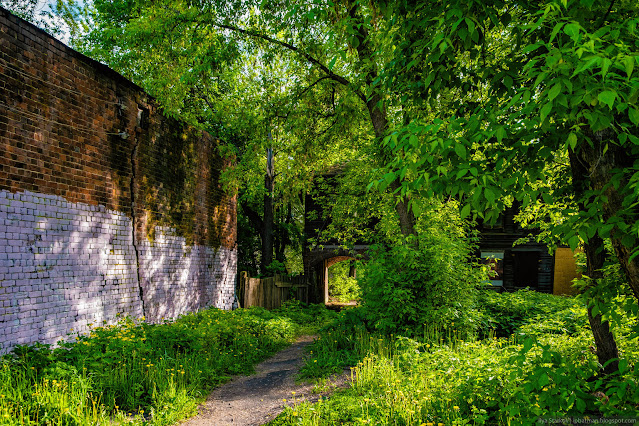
(330, 74)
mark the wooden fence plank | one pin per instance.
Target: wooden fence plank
(271, 292)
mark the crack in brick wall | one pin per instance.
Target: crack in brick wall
(133, 236)
(106, 205)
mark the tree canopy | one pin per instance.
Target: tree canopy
(529, 101)
(482, 103)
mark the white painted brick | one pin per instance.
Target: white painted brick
(74, 262)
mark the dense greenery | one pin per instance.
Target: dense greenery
(535, 361)
(341, 286)
(527, 101)
(442, 110)
(428, 281)
(134, 372)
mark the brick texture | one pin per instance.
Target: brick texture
(106, 205)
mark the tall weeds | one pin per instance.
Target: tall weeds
(133, 372)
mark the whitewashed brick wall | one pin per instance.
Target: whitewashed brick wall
(64, 265)
(175, 275)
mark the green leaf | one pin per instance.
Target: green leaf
(572, 140)
(389, 177)
(633, 114)
(417, 210)
(604, 66)
(460, 150)
(465, 211)
(528, 344)
(331, 64)
(508, 81)
(543, 380)
(572, 30)
(490, 195)
(573, 243)
(470, 24)
(554, 92)
(545, 110)
(607, 97)
(500, 133)
(556, 30)
(629, 62)
(623, 366)
(461, 173)
(594, 60)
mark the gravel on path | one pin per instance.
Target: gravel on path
(257, 399)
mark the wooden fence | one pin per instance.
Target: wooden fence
(271, 292)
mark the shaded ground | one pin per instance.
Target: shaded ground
(336, 305)
(259, 398)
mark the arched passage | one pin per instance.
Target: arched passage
(316, 264)
(343, 286)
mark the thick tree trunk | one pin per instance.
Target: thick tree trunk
(602, 165)
(379, 120)
(607, 352)
(283, 239)
(379, 117)
(606, 347)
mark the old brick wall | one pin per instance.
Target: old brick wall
(106, 206)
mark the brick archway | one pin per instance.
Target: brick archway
(316, 264)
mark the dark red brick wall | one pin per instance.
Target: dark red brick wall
(106, 205)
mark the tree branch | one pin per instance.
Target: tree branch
(330, 74)
(313, 84)
(603, 18)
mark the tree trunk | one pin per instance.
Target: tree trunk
(379, 120)
(606, 347)
(283, 239)
(602, 165)
(268, 220)
(607, 352)
(379, 117)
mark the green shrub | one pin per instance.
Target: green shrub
(545, 369)
(426, 282)
(528, 312)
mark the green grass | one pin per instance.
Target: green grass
(533, 360)
(133, 372)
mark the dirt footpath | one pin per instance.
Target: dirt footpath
(259, 398)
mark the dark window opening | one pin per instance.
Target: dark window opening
(526, 269)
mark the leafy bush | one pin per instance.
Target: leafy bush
(528, 312)
(544, 369)
(276, 267)
(426, 282)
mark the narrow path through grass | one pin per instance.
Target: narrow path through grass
(259, 398)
